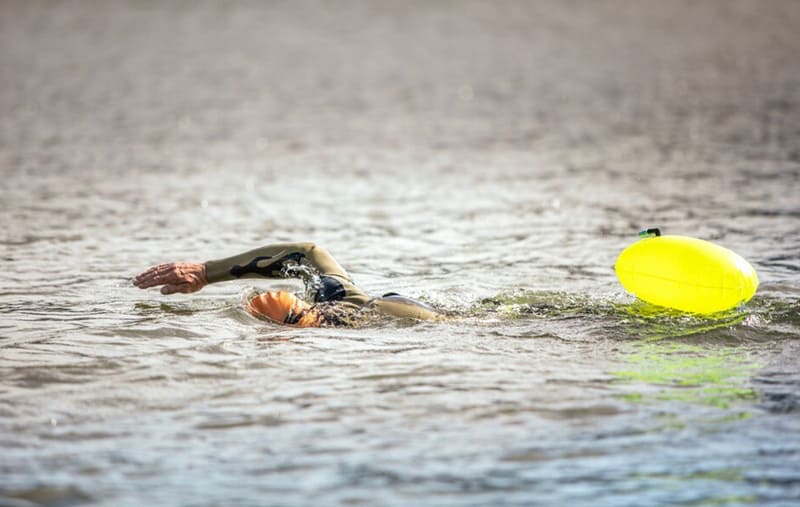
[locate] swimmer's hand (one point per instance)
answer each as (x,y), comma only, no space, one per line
(175,277)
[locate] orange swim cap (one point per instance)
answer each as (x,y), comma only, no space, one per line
(284,308)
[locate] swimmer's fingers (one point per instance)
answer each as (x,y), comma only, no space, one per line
(182,277)
(152,277)
(157,275)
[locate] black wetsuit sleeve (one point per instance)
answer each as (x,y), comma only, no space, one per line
(269,261)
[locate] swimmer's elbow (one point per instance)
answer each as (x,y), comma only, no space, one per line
(307,247)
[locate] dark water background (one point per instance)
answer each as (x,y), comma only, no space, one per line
(492,158)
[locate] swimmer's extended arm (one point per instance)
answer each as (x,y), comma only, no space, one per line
(269,261)
(264,262)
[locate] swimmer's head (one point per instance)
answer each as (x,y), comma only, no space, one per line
(284,308)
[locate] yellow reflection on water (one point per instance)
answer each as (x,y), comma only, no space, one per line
(689,373)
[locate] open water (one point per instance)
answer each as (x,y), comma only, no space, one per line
(491,158)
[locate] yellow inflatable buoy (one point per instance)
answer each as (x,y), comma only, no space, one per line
(685,273)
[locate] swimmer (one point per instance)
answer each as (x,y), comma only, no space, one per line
(334,295)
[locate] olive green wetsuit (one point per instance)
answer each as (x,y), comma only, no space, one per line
(335,284)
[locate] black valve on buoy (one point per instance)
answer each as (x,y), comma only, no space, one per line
(655,231)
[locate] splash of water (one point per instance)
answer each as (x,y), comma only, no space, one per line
(312,282)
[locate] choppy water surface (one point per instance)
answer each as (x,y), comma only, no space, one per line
(490,159)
